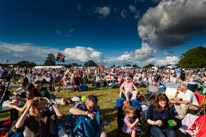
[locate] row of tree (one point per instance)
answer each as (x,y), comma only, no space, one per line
(193,58)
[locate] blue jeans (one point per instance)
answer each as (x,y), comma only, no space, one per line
(166,132)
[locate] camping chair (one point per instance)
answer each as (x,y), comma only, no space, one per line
(150,93)
(201,107)
(120,123)
(122,95)
(192,86)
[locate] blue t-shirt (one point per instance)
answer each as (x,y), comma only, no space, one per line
(3,73)
(178,71)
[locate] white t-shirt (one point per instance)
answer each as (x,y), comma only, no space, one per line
(188,96)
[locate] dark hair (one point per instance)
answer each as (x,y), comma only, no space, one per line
(160,97)
(92,98)
(38,82)
(2,65)
(32,91)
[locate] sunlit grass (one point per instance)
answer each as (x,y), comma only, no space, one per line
(104,95)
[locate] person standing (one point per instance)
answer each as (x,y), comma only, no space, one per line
(3,74)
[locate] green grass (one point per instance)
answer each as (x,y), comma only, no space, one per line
(104,95)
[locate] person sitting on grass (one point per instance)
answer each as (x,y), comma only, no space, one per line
(158,115)
(36,121)
(42,90)
(130,125)
(31,92)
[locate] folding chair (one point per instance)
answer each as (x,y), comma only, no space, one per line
(120,123)
(201,107)
(151,93)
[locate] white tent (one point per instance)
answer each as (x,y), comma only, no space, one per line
(155,68)
(48,67)
(170,67)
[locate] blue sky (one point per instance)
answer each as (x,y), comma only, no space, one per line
(106,31)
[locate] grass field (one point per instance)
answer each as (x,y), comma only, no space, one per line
(105,95)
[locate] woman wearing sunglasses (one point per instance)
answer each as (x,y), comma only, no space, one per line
(36,120)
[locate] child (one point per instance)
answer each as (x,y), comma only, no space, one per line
(130,125)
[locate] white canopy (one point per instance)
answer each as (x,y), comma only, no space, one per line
(48,67)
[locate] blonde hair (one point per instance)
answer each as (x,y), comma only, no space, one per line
(33,110)
(128,109)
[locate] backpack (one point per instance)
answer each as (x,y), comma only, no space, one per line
(135,103)
(90,128)
(120,102)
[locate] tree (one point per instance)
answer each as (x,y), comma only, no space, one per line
(193,58)
(162,67)
(50,60)
(75,64)
(67,65)
(32,64)
(90,63)
(135,66)
(148,66)
(112,66)
(127,65)
(23,63)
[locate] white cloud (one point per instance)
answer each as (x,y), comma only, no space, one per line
(173,22)
(58,32)
(27,51)
(134,10)
(30,52)
(138,56)
(163,61)
(145,52)
(82,54)
(104,11)
(123,13)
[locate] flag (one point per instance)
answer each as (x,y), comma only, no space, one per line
(60,57)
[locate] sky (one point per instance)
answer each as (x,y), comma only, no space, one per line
(105,31)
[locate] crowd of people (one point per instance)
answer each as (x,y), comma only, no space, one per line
(39,111)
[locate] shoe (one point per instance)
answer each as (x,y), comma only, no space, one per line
(178,117)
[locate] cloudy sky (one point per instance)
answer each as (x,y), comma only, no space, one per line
(105,31)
